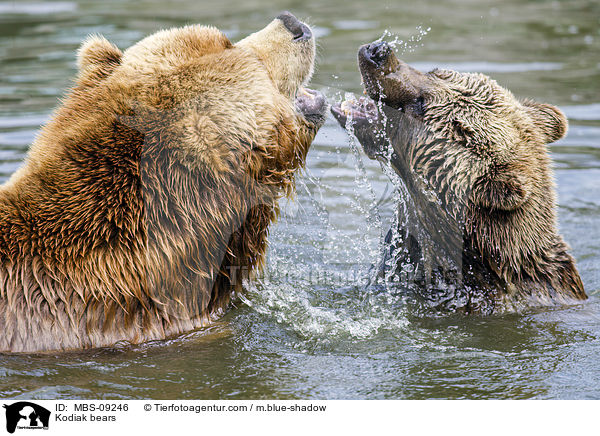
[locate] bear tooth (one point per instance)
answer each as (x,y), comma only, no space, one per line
(302,90)
(346,106)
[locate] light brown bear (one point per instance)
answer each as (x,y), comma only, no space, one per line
(477,231)
(148,195)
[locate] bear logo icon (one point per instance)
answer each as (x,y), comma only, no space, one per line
(26,415)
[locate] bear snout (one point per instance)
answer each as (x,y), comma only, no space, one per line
(299,30)
(376,53)
(391,80)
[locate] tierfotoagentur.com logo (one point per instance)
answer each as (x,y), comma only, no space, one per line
(26,415)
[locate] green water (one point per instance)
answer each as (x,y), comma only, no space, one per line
(310,329)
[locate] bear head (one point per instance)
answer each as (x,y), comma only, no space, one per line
(473,157)
(212,101)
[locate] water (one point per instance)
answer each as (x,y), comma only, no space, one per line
(310,328)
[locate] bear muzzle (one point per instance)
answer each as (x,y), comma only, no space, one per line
(390,80)
(299,30)
(376,53)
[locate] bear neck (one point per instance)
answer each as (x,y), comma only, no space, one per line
(211,231)
(523,249)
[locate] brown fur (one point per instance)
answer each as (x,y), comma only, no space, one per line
(475,163)
(153,183)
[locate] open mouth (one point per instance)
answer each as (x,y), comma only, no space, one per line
(374,60)
(311,104)
(367,124)
(357,111)
(394,90)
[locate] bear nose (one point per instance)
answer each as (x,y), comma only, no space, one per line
(297,28)
(378,52)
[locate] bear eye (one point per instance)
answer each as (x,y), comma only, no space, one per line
(419,106)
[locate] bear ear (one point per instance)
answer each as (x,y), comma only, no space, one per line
(98,55)
(549,119)
(504,189)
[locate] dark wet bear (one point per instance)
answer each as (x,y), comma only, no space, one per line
(477,232)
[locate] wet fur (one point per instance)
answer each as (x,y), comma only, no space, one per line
(478,173)
(137,198)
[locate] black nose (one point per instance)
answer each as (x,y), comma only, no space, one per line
(298,29)
(378,52)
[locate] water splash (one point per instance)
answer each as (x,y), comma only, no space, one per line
(362,181)
(326,316)
(405,46)
(306,300)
